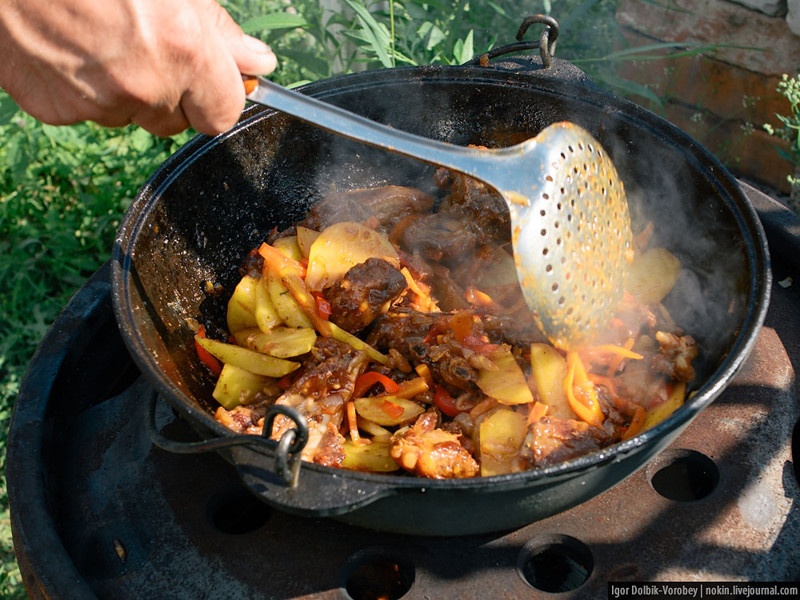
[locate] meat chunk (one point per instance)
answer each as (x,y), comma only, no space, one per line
(675,356)
(440,236)
(363,293)
(550,441)
(388,204)
(429,452)
(319,395)
(428,338)
(243,419)
(413,335)
(471,215)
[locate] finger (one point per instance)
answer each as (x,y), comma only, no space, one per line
(162,122)
(214,103)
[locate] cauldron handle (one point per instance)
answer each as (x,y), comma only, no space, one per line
(546,42)
(320,492)
(287,449)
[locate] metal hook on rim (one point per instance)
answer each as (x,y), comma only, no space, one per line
(288,456)
(547,39)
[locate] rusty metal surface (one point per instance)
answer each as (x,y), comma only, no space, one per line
(127,520)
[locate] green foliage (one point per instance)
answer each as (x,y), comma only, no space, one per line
(313,42)
(790,131)
(62,193)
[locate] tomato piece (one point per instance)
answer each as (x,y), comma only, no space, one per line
(323,306)
(445,402)
(204,355)
(365,381)
(392,409)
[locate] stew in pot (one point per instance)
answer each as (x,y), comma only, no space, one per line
(394,322)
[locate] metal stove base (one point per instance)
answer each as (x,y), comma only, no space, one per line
(99,512)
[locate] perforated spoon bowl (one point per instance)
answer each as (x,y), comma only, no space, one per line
(570,223)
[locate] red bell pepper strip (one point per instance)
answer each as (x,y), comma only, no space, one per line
(365,381)
(445,402)
(204,355)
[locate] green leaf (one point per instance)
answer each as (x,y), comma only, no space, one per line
(8,108)
(374,34)
(278,20)
(141,140)
(463,50)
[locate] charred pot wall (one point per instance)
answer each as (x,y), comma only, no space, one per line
(724,95)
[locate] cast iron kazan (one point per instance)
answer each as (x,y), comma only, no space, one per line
(216,199)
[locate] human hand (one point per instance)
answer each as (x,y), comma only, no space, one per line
(163,64)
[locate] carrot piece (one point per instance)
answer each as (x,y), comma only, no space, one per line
(291,274)
(352,425)
(536,412)
(411,388)
(622,351)
(616,360)
(636,424)
(424,371)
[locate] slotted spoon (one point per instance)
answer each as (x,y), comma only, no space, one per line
(570,224)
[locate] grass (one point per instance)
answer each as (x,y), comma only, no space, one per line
(63,190)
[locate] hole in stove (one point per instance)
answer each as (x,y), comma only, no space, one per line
(683,475)
(235,511)
(555,563)
(377,573)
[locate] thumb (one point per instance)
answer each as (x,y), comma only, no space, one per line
(252,56)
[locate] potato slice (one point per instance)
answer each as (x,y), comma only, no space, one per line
(652,275)
(342,246)
(289,247)
(348,338)
(241,306)
(673,402)
(373,457)
(501,436)
(378,433)
(249,360)
(283,342)
(236,386)
(388,410)
(289,310)
(549,371)
(305,238)
(506,383)
(264,310)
